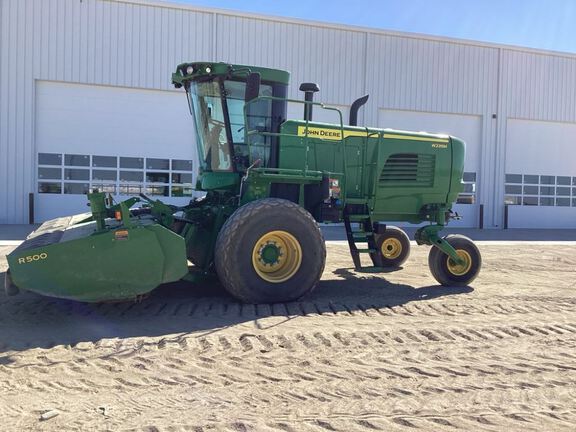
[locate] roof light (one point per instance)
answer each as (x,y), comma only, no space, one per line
(189,70)
(208,69)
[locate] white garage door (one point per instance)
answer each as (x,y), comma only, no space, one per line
(540,187)
(120,140)
(466,127)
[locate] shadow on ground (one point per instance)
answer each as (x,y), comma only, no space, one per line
(33,321)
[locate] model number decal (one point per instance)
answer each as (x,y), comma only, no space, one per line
(31,258)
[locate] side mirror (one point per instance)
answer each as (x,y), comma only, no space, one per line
(252,87)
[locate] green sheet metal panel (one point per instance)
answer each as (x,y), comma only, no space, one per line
(111,265)
(396,173)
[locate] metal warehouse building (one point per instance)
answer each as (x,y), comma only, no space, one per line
(86,101)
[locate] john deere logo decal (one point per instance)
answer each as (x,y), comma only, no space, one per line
(336,135)
(328,134)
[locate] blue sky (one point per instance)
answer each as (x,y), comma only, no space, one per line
(544,24)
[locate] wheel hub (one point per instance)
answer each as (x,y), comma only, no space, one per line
(276,256)
(391,248)
(460,269)
(270,254)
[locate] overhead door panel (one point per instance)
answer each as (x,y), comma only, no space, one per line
(540,182)
(120,140)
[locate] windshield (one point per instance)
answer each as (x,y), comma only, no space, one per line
(218,124)
(259,117)
(213,146)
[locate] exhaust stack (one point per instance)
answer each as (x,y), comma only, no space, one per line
(356,105)
(309,89)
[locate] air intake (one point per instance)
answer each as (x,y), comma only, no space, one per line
(408,169)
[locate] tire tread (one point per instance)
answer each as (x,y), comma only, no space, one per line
(239,220)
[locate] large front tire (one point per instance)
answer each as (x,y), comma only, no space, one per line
(448,272)
(270,251)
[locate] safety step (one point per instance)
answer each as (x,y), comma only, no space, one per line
(356,200)
(364,233)
(371,269)
(357,217)
(362,236)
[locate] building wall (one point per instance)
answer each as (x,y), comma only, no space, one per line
(137,43)
(536,88)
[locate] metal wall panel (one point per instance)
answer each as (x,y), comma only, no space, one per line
(334,59)
(425,75)
(532,86)
(16,141)
(93,42)
(4,149)
(538,86)
(137,43)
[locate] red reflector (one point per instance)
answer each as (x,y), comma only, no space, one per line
(118,215)
(121,235)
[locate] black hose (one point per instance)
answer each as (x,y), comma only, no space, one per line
(140,211)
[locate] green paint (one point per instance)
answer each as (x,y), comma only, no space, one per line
(93,266)
(429,235)
(218,180)
(270,254)
(212,69)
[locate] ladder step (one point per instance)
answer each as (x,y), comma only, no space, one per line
(368,233)
(356,200)
(362,233)
(357,217)
(371,269)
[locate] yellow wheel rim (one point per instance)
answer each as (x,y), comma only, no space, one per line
(391,248)
(460,269)
(276,256)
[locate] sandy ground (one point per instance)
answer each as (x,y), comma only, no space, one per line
(364,352)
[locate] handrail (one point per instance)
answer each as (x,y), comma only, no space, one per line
(372,189)
(248,133)
(288,171)
(377,158)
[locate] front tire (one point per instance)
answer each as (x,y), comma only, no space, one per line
(270,251)
(393,248)
(449,273)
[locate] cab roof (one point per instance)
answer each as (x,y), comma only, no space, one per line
(186,72)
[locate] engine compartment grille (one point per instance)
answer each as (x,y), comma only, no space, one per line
(408,169)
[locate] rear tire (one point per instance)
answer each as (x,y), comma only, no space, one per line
(270,251)
(393,248)
(446,271)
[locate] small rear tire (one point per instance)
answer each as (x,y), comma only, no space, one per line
(449,273)
(393,248)
(270,251)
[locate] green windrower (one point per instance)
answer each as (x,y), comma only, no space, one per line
(266,182)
